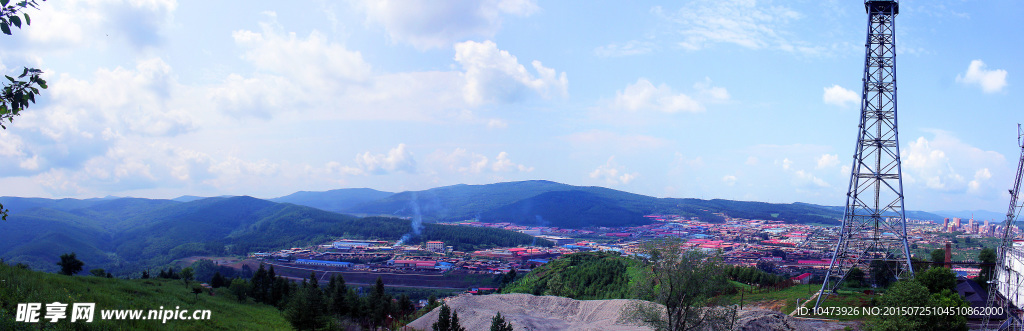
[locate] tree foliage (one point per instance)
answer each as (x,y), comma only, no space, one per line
(17,93)
(581,276)
(447,320)
(754,276)
(498,323)
(938,256)
(680,287)
(937,279)
(911,293)
(69,264)
(307,309)
(987,256)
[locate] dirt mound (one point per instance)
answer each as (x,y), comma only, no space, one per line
(529,312)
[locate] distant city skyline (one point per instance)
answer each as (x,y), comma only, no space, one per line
(740,100)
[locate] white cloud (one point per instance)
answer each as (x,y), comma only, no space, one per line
(643,95)
(827,160)
(807,179)
(937,164)
(990,81)
(786,163)
(439,23)
(839,96)
(729,180)
(257,96)
(980,177)
(65,24)
(397,159)
(313,60)
(494,75)
(613,174)
(605,140)
(496,123)
(502,163)
(745,23)
(713,93)
(465,162)
(633,47)
(752,160)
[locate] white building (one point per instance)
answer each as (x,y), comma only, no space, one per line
(435,246)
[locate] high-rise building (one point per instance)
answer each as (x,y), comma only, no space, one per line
(945,224)
(956,224)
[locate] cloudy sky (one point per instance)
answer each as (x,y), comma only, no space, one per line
(737,99)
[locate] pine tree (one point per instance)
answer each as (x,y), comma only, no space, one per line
(259,285)
(379,303)
(499,323)
(444,319)
(338,292)
(455,322)
(217,281)
(306,308)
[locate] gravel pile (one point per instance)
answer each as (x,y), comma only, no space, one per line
(529,312)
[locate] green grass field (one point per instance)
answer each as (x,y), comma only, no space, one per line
(226,313)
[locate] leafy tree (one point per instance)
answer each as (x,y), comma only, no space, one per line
(239,287)
(196,289)
(911,293)
(883,273)
(217,281)
(937,279)
(988,256)
(145,274)
(855,278)
(69,264)
(499,323)
(949,298)
(98,272)
(904,293)
(939,256)
(680,287)
(187,275)
(17,93)
(765,266)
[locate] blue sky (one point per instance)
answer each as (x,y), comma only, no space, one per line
(741,99)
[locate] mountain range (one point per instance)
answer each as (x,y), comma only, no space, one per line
(126,235)
(549,203)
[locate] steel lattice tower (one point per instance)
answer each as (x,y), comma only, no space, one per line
(874,224)
(1004,288)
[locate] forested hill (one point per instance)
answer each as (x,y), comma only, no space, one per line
(128,235)
(554,204)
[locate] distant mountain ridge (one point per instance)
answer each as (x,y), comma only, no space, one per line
(338,200)
(530,202)
(129,235)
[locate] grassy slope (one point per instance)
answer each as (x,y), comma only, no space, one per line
(24,286)
(581,276)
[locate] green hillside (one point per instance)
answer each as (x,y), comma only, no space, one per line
(25,286)
(581,276)
(156,232)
